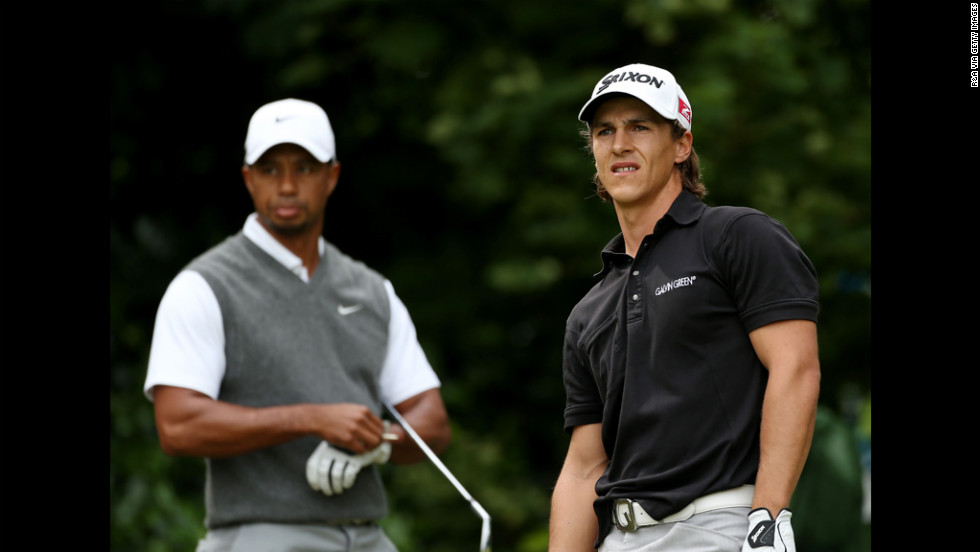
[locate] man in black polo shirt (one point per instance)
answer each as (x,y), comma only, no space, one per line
(690,368)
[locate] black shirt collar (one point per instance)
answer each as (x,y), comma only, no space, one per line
(686,209)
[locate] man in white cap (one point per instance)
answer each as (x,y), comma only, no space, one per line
(274,353)
(690,368)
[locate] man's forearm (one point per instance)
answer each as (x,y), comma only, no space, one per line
(192,424)
(573,526)
(788,416)
(427,415)
(225,430)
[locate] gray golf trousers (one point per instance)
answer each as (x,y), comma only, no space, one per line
(271,537)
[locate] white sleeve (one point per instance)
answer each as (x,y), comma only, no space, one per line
(406,371)
(188,347)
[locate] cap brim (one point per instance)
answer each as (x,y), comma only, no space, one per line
(585,114)
(588,110)
(318,153)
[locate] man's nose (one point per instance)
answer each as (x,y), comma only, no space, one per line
(621,143)
(287,184)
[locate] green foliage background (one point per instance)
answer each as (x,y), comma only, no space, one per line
(464,181)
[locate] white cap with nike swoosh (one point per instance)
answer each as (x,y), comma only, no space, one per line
(290,121)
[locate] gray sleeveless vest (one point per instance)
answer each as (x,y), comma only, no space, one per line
(287,342)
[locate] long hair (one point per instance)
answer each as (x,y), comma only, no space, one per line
(690,168)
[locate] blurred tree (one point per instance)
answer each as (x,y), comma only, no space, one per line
(465,182)
(827,503)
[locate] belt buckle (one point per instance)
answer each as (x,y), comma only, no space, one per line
(630,515)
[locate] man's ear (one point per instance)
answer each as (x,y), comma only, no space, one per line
(683,147)
(333,177)
(247,177)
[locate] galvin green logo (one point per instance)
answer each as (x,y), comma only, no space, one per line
(678,283)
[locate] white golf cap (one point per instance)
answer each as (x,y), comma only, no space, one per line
(654,86)
(290,121)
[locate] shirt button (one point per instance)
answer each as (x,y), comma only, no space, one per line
(636,297)
(636,273)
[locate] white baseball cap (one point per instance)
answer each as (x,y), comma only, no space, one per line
(290,121)
(654,86)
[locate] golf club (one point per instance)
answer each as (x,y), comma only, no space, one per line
(485,533)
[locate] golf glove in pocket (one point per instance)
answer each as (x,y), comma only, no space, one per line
(332,471)
(767,534)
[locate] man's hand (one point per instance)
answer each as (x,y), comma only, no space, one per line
(332,471)
(768,535)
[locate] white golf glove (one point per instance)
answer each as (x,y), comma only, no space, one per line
(767,534)
(332,471)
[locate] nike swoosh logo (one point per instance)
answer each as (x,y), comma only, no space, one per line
(284,117)
(344,311)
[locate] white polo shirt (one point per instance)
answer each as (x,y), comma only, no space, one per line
(188,347)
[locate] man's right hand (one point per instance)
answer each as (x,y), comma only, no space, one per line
(353,427)
(332,471)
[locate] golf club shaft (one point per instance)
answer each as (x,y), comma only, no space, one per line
(485,533)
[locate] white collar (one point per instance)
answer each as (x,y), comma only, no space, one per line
(254,231)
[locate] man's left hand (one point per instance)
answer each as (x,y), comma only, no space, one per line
(767,534)
(332,471)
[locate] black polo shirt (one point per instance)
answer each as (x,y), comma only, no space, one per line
(658,352)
